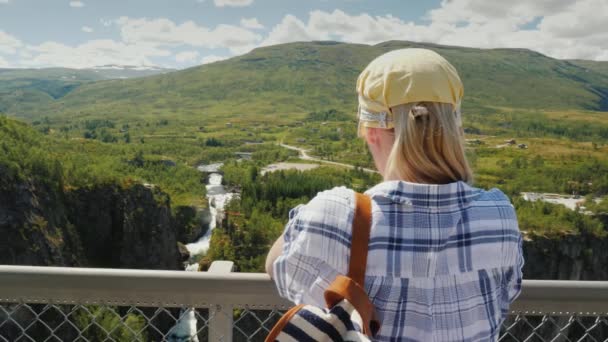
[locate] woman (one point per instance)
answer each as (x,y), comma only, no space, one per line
(445,259)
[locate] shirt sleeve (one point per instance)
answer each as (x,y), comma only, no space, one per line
(314,249)
(511,283)
(515,276)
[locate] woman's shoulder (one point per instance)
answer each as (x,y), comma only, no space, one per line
(339,196)
(494,205)
(491,197)
(331,209)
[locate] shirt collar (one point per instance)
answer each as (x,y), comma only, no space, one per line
(425,195)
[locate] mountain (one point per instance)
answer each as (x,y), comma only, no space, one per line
(112,71)
(600,67)
(303,77)
(24,90)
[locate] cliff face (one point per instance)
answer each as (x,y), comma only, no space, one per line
(191,222)
(103,226)
(573,257)
(33,225)
(125,228)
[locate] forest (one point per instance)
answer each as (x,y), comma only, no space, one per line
(156,130)
(257,217)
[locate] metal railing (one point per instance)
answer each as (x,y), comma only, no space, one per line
(86,304)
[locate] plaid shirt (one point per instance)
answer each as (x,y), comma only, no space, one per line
(444,261)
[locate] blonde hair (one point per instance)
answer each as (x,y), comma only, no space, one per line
(429,144)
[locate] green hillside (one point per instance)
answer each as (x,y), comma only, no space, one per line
(104,141)
(304,77)
(23,91)
(592,66)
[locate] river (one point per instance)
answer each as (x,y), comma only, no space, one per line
(185,328)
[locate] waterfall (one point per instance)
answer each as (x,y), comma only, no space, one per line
(185,327)
(218,197)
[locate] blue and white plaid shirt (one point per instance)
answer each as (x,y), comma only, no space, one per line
(444,261)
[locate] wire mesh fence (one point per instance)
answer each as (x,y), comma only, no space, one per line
(60,322)
(77,304)
(52,322)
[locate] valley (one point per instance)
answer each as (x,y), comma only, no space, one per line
(291,103)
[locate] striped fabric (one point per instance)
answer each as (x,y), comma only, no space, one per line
(311,323)
(444,261)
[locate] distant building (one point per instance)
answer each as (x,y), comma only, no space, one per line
(228,124)
(301,140)
(511,142)
(474,141)
(167,162)
(522,146)
(243,155)
(570,202)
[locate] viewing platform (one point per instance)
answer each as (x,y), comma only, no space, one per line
(91,304)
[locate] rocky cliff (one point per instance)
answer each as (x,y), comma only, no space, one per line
(125,227)
(107,225)
(34,225)
(571,257)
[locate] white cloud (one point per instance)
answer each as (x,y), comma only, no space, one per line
(212,58)
(558,28)
(290,29)
(583,19)
(164,32)
(106,22)
(76,4)
(251,23)
(87,29)
(338,25)
(8,43)
(3,2)
(565,29)
(483,11)
(232,3)
(141,40)
(93,53)
(23,53)
(3,62)
(186,56)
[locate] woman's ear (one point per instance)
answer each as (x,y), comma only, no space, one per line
(371,136)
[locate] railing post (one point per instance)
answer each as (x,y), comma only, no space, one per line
(221,314)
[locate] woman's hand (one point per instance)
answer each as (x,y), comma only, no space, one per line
(273,254)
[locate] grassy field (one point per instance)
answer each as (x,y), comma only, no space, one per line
(157,129)
(295,79)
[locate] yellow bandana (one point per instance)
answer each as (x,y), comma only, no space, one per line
(405,76)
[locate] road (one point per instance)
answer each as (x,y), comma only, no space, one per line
(305,156)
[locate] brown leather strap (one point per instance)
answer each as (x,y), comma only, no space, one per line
(346,288)
(362,223)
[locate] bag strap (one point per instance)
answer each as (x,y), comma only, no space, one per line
(362,223)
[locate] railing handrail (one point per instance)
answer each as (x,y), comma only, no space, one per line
(71,285)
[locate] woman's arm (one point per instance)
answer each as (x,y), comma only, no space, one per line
(273,254)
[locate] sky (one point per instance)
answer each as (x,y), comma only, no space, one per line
(184,33)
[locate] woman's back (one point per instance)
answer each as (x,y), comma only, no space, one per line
(444,261)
